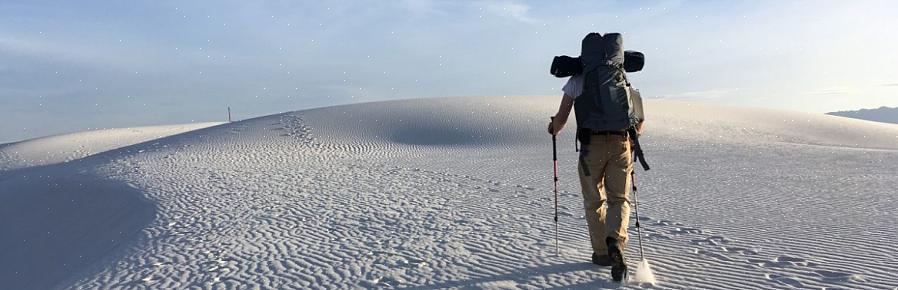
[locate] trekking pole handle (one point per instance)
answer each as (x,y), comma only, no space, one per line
(554,151)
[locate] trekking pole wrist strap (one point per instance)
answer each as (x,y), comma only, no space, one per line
(637,149)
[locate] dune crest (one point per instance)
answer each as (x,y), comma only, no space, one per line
(72,146)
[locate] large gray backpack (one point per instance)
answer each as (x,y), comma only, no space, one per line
(607,102)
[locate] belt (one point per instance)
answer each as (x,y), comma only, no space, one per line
(606,133)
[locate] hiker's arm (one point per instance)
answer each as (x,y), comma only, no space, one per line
(640,126)
(564,110)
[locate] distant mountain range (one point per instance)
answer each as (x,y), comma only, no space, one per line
(881,114)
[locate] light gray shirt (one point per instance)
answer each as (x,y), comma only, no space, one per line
(574,86)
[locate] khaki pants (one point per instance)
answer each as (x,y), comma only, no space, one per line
(604,168)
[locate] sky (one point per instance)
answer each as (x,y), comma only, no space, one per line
(68,66)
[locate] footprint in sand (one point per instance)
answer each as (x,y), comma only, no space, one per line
(786,280)
(740,251)
(837,277)
(713,255)
(781,262)
(710,241)
(685,231)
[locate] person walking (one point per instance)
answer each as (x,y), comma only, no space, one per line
(606,159)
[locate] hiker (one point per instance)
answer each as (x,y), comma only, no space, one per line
(606,160)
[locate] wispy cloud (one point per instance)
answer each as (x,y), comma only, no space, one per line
(419,8)
(78,53)
(716,93)
(512,10)
(834,91)
(890,85)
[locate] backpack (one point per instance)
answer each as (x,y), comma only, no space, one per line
(608,102)
(605,104)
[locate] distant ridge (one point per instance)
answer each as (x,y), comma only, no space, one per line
(881,114)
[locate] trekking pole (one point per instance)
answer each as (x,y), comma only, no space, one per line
(555,167)
(636,210)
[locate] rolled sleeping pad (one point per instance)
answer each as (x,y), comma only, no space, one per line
(633,61)
(564,66)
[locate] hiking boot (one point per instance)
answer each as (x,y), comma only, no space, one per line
(602,260)
(618,262)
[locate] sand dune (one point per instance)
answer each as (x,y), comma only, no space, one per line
(68,147)
(456,193)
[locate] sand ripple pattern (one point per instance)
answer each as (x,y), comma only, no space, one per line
(401,195)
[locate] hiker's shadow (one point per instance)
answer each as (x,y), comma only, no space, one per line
(523,276)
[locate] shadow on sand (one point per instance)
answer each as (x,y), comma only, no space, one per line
(57,225)
(521,277)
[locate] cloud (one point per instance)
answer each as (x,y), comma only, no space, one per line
(419,8)
(77,53)
(512,10)
(890,85)
(829,91)
(704,94)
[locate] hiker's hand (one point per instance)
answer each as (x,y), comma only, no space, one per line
(551,129)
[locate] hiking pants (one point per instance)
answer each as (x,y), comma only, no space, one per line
(604,169)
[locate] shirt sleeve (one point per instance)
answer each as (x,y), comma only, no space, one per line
(574,86)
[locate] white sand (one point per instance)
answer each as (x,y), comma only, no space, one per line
(68,147)
(457,193)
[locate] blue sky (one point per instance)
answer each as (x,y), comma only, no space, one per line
(76,65)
